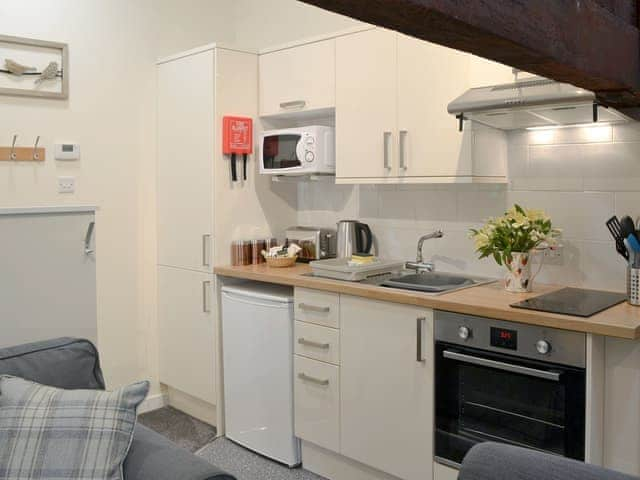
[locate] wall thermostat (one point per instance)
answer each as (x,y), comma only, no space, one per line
(67,151)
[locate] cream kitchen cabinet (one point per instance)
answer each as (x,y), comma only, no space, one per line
(366,106)
(298,79)
(316,387)
(195,89)
(392,124)
(186,332)
(386,382)
(185,168)
(429,77)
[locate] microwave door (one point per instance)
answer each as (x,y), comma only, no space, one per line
(281,152)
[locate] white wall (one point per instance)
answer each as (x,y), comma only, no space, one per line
(261,23)
(580,176)
(184,24)
(250,24)
(110,113)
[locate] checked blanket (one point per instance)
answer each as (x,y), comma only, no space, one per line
(54,434)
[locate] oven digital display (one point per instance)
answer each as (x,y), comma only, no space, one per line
(503,338)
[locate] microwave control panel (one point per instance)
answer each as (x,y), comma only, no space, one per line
(309,147)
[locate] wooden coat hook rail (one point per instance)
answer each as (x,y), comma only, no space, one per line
(22,154)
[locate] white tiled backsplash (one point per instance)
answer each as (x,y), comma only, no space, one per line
(579,176)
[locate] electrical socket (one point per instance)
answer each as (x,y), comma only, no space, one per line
(66,184)
(553,256)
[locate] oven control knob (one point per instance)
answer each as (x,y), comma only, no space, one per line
(309,156)
(543,347)
(464,332)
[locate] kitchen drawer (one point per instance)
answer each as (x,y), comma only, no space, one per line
(315,306)
(317,342)
(317,402)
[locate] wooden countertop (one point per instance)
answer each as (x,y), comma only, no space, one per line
(490,300)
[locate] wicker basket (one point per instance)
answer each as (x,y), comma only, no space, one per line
(281,262)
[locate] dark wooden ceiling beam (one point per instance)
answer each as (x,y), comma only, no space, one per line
(594,44)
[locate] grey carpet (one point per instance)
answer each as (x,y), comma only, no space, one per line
(180,428)
(246,465)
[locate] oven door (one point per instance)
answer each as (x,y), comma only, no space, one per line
(485,396)
(282,153)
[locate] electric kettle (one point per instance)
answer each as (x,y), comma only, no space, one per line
(353,237)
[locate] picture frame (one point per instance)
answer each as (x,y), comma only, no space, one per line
(34,59)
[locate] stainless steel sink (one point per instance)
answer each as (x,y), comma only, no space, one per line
(433,282)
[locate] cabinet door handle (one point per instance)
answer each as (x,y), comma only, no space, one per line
(293,104)
(386,145)
(402,148)
(205,250)
(419,329)
(311,343)
(87,238)
(318,381)
(205,296)
(313,308)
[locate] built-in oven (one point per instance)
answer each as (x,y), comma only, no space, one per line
(505,382)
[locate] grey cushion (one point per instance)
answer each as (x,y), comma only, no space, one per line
(62,362)
(153,457)
(51,433)
(493,461)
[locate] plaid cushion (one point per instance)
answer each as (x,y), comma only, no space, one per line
(54,434)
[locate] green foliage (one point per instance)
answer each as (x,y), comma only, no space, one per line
(518,230)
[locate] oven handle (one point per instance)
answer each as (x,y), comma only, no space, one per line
(507,367)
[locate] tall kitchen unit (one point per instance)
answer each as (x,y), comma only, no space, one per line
(195,89)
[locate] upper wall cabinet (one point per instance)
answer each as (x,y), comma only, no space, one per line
(298,79)
(366,105)
(392,124)
(429,77)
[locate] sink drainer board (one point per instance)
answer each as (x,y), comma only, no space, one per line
(429,282)
(339,269)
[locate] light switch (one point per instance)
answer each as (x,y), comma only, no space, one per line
(66,184)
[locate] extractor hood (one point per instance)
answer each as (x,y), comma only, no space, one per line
(532,102)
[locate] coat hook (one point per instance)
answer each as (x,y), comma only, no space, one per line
(13,155)
(35,149)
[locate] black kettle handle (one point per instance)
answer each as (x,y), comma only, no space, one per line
(364,247)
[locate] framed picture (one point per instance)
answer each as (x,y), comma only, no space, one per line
(33,68)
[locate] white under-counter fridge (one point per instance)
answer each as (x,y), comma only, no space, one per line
(257,342)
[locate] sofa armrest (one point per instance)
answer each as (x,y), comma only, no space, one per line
(153,457)
(493,461)
(70,363)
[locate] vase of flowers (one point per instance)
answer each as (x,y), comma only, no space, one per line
(512,239)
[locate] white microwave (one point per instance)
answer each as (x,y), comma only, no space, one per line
(298,151)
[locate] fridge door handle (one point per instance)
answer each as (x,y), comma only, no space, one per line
(88,237)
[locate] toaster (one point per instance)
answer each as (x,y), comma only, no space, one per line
(316,243)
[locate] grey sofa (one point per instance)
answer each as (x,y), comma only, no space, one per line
(494,461)
(74,363)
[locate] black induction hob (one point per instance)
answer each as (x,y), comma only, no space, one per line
(573,301)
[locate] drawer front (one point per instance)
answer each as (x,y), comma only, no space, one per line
(315,306)
(315,341)
(317,402)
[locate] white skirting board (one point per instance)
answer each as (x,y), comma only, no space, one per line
(195,407)
(153,402)
(336,467)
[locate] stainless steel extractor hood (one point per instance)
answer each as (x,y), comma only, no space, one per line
(532,102)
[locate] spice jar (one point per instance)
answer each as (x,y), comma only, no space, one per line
(241,252)
(257,246)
